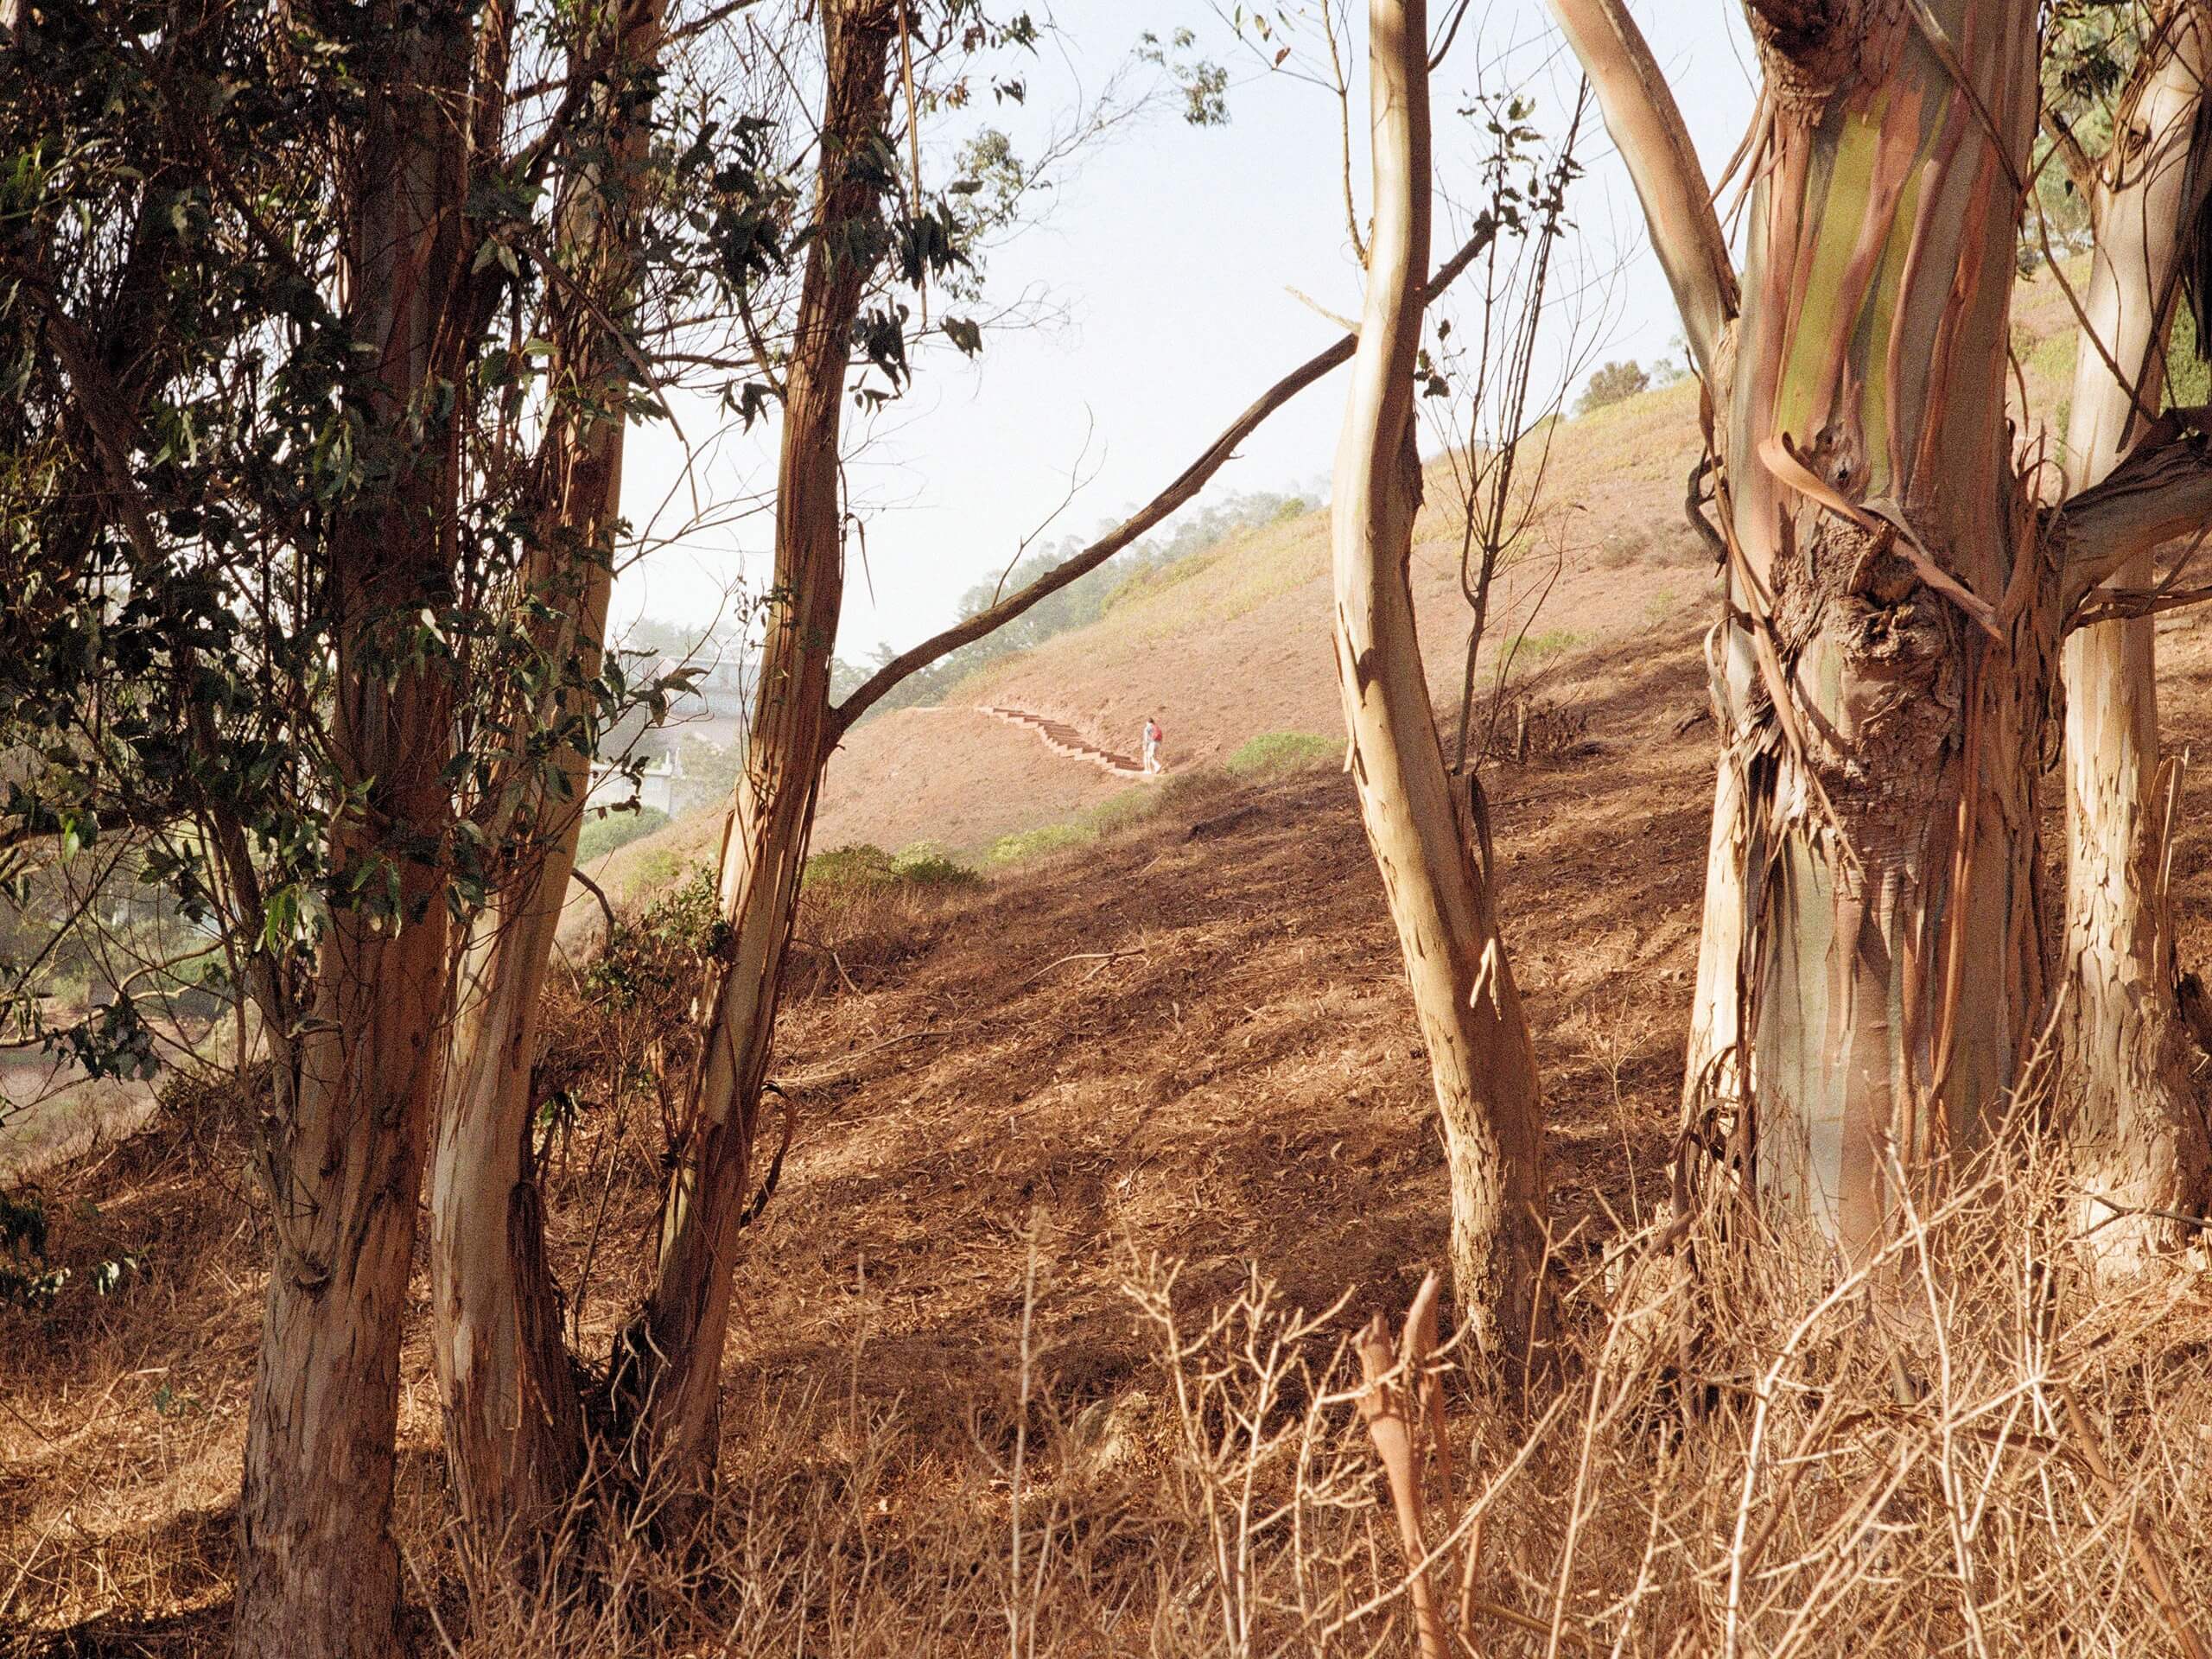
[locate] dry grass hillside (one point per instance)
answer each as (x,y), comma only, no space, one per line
(1233,643)
(1001,1377)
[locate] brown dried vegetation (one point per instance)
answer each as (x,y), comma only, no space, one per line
(1001,1377)
(972,1405)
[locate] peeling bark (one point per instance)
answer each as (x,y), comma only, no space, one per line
(318,1573)
(1480,1059)
(1896,597)
(2134,1116)
(1870,972)
(669,1371)
(514,1433)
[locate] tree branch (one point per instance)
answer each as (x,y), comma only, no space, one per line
(143,813)
(1186,484)
(106,413)
(2160,489)
(1646,129)
(2075,160)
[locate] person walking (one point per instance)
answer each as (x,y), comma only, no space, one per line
(1153,739)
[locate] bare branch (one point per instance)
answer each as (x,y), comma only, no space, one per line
(606,905)
(1186,484)
(2162,489)
(2078,168)
(1647,128)
(1319,310)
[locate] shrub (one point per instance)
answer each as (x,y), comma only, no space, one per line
(1033,843)
(658,868)
(1122,811)
(601,836)
(1537,646)
(861,862)
(865,865)
(1274,754)
(864,911)
(1611,384)
(926,865)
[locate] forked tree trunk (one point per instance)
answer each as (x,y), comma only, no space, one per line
(1420,829)
(1892,608)
(669,1375)
(514,1437)
(2134,1116)
(318,1573)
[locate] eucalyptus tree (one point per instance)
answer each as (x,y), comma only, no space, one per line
(1874,973)
(305,547)
(1420,818)
(327,324)
(665,1378)
(2135,1112)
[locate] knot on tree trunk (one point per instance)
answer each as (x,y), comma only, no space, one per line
(1813,49)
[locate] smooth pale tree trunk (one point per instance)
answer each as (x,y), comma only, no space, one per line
(1892,622)
(513,1418)
(1715,1083)
(1419,828)
(318,1573)
(669,1373)
(1653,142)
(2134,1116)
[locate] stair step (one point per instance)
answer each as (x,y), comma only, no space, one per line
(1064,739)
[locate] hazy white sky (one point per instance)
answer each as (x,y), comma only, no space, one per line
(1164,263)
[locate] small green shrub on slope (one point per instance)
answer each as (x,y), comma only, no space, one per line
(866,865)
(600,837)
(1033,843)
(1274,754)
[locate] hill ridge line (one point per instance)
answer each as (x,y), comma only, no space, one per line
(1063,739)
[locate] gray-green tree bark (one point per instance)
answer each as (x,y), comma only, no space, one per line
(1419,827)
(1894,599)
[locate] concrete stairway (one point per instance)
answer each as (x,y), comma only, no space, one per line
(1063,739)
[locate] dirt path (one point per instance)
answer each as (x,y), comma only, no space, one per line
(1063,739)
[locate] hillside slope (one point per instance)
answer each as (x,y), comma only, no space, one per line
(1234,642)
(1189,1042)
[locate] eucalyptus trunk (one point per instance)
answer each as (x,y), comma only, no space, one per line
(2134,1116)
(1871,975)
(1889,577)
(1417,826)
(514,1431)
(357,1078)
(669,1372)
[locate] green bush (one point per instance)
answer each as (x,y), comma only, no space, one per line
(1611,384)
(927,865)
(1033,843)
(601,836)
(1118,812)
(863,864)
(1274,754)
(659,868)
(860,864)
(656,951)
(1536,646)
